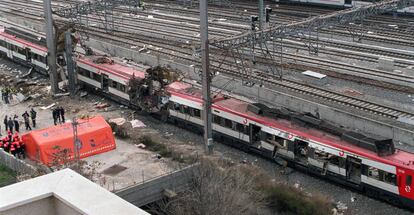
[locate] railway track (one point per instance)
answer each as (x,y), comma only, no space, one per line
(165,50)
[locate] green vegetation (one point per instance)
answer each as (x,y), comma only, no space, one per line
(7,176)
(164,150)
(155,146)
(289,200)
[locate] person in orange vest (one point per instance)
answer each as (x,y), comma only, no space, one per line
(13,150)
(6,144)
(22,149)
(16,137)
(16,145)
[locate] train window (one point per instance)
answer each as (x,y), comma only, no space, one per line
(114,84)
(122,87)
(216,119)
(3,43)
(186,110)
(389,178)
(171,105)
(242,128)
(96,77)
(21,51)
(373,173)
(408,180)
(176,106)
(43,59)
(321,155)
(228,123)
(336,160)
(267,136)
(197,113)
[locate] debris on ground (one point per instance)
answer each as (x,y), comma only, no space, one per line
(158,156)
(352,92)
(137,124)
(57,95)
(102,105)
(83,94)
(341,206)
(167,134)
(47,107)
(63,85)
(33,96)
(141,146)
(118,121)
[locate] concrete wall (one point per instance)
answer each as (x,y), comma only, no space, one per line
(153,190)
(43,206)
(63,209)
(15,164)
(269,96)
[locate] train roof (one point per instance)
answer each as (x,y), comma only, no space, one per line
(116,68)
(238,107)
(22,41)
(192,93)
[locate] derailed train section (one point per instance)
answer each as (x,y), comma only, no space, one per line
(302,140)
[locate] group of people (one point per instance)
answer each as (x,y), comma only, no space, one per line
(12,144)
(58,115)
(6,94)
(14,125)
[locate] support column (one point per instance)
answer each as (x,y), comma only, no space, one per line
(261,15)
(70,66)
(51,47)
(206,77)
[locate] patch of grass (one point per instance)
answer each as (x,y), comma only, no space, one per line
(155,146)
(7,176)
(166,151)
(287,199)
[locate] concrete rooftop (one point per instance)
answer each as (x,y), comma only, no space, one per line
(62,192)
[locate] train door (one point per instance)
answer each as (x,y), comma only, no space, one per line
(28,55)
(9,51)
(353,169)
(254,133)
(105,82)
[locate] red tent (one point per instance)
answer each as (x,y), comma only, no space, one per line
(95,137)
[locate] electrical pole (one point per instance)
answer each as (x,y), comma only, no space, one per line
(208,141)
(70,67)
(51,47)
(261,15)
(76,144)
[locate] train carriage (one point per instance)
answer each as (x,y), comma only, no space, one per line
(107,76)
(23,51)
(378,169)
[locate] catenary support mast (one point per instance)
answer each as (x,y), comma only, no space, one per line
(51,47)
(206,76)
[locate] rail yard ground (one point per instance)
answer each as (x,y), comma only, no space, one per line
(170,31)
(143,163)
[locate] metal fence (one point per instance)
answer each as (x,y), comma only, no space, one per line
(19,166)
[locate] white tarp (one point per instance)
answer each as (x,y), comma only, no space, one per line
(137,124)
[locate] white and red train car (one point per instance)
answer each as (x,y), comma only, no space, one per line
(388,177)
(369,165)
(111,78)
(23,51)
